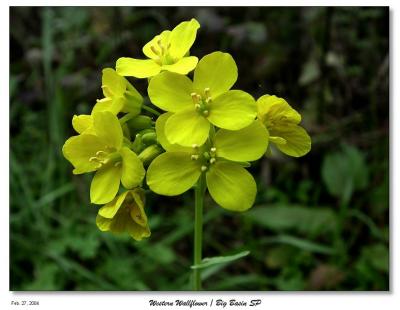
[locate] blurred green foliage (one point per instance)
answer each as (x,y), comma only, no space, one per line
(319,223)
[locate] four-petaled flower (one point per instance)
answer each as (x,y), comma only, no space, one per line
(103,151)
(119,96)
(221,160)
(167,51)
(208,99)
(125,213)
(282,121)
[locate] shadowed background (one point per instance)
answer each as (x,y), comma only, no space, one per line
(320,222)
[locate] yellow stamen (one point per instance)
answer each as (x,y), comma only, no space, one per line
(154,50)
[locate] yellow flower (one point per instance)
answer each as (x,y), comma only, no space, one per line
(104,151)
(205,101)
(119,96)
(282,121)
(221,160)
(167,51)
(125,214)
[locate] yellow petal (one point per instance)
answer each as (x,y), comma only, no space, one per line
(182,38)
(276,110)
(153,45)
(140,68)
(105,184)
(182,66)
(162,139)
(78,150)
(187,127)
(171,91)
(108,129)
(231,186)
(247,144)
(82,122)
(132,169)
(216,71)
(114,84)
(298,142)
(110,209)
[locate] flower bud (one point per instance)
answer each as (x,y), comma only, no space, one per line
(149,153)
(133,102)
(137,144)
(139,123)
(149,138)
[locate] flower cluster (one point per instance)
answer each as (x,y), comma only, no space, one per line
(207,130)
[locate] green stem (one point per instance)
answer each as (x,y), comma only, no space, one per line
(198,231)
(151,110)
(126,118)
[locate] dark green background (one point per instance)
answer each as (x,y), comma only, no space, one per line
(320,222)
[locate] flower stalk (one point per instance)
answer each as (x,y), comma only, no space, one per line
(198,231)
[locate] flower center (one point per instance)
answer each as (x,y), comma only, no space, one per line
(108,156)
(202,103)
(206,158)
(162,52)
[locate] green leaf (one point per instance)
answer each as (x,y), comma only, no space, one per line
(299,243)
(377,256)
(344,172)
(297,218)
(211,261)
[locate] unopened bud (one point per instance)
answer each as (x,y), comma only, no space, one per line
(149,138)
(139,122)
(149,153)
